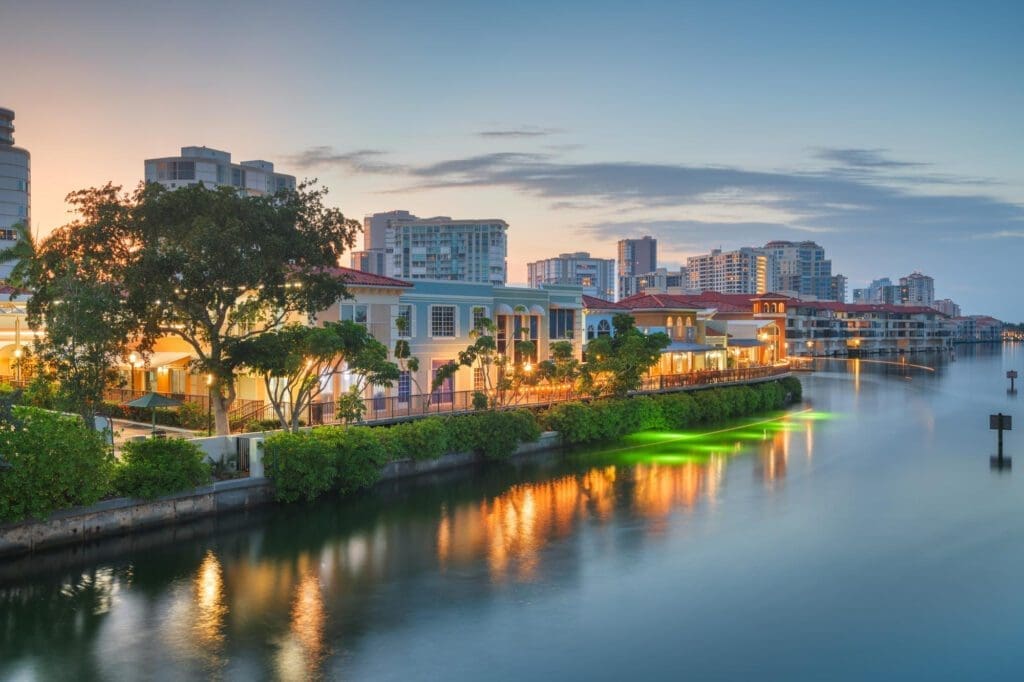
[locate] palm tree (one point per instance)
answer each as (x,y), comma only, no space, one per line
(22,253)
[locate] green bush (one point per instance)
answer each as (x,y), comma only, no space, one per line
(192,415)
(678,410)
(421,439)
(793,387)
(299,465)
(160,466)
(41,393)
(358,455)
(56,462)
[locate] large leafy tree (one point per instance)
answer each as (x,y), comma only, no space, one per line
(212,267)
(615,365)
(296,361)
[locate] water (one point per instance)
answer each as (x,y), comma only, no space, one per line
(863,538)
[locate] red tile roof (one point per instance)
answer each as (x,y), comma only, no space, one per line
(595,303)
(368,279)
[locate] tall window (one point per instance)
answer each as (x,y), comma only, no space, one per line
(604,328)
(561,323)
(404,387)
(479,314)
(478,379)
(442,320)
(405,313)
(445,392)
(357,313)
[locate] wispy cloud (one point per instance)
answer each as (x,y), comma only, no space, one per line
(863,158)
(520,132)
(357,161)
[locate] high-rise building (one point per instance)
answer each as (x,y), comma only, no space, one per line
(879,290)
(917,289)
(399,244)
(595,275)
(861,295)
(743,271)
(947,307)
(636,257)
(837,289)
(662,281)
(801,269)
(214,168)
(15,187)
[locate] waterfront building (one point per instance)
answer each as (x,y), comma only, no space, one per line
(213,168)
(976,329)
(596,276)
(946,306)
(15,187)
(401,245)
(635,257)
(917,289)
(743,271)
(833,328)
(800,269)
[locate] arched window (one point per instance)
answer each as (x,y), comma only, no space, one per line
(668,322)
(603,328)
(782,307)
(590,331)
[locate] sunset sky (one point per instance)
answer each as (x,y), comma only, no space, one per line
(890,133)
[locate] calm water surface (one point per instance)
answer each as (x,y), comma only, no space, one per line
(863,536)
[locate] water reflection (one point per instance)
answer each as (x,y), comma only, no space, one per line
(291,595)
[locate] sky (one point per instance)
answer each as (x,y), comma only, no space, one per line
(890,133)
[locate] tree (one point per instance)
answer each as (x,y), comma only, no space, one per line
(615,365)
(296,360)
(23,254)
(561,369)
(78,300)
(213,267)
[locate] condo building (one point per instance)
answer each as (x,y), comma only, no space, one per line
(15,186)
(917,289)
(596,276)
(800,269)
(213,168)
(635,257)
(743,271)
(399,244)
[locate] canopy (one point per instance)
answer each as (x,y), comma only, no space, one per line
(503,309)
(154,400)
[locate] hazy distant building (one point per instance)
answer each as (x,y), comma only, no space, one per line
(743,271)
(636,257)
(800,269)
(399,244)
(860,295)
(947,307)
(837,288)
(917,289)
(15,186)
(595,275)
(877,289)
(213,168)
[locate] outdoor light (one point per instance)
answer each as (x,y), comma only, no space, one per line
(133,358)
(528,367)
(209,380)
(17,352)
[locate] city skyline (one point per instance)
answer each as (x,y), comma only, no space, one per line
(893,145)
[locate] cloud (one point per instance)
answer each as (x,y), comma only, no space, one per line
(358,161)
(863,158)
(520,132)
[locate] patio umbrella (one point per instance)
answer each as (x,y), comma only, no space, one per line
(154,400)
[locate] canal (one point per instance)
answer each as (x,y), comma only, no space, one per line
(860,536)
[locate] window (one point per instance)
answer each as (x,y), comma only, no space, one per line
(479,315)
(238,177)
(379,401)
(404,387)
(354,313)
(479,383)
(590,332)
(405,326)
(603,328)
(442,320)
(446,391)
(561,323)
(8,235)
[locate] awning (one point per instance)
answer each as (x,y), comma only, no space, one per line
(159,359)
(503,309)
(537,310)
(685,347)
(745,343)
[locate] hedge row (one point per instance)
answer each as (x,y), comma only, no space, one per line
(305,465)
(579,422)
(56,462)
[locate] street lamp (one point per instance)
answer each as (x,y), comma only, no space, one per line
(209,403)
(17,363)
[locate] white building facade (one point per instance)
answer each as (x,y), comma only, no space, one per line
(743,271)
(800,269)
(596,276)
(213,168)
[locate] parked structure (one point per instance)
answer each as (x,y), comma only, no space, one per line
(398,244)
(213,168)
(636,257)
(15,187)
(596,276)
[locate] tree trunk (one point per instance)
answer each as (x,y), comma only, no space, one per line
(221,407)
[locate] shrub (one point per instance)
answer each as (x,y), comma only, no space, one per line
(41,393)
(498,434)
(422,439)
(678,410)
(358,455)
(56,462)
(192,415)
(299,465)
(793,387)
(160,466)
